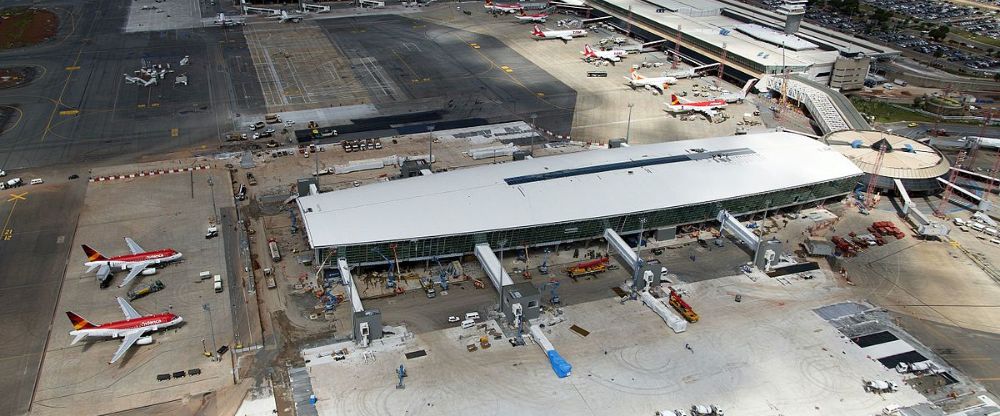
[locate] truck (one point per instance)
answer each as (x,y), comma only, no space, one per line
(217,283)
(152,288)
(272,118)
(428,287)
(211,232)
(251,179)
(588,267)
(706,410)
(13,183)
(273,246)
(682,307)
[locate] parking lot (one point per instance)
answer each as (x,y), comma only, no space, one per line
(164,211)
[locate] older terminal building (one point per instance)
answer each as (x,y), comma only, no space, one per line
(545,201)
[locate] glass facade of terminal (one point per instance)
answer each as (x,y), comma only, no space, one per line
(452,245)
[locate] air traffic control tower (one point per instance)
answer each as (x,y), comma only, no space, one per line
(793,10)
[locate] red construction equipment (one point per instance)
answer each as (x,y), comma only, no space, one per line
(886,228)
(845,247)
(883,146)
(682,307)
(588,267)
(947,188)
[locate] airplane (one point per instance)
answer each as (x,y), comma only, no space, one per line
(224,21)
(284,17)
(139,81)
(536,17)
(738,97)
(502,7)
(613,55)
(135,263)
(565,35)
(708,108)
(131,329)
(657,83)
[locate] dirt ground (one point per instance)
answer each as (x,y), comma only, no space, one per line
(25,27)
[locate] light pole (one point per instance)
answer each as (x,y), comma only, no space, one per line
(534,127)
(500,274)
(211,327)
(430,148)
(628,125)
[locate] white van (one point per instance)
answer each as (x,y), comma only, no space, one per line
(977,226)
(37,181)
(468,323)
(990,231)
(472,316)
(959,222)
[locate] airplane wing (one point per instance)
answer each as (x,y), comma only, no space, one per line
(127,343)
(133,246)
(128,310)
(133,272)
(78,338)
(709,112)
(103,271)
(566,37)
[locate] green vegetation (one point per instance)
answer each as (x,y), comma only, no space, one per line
(888,113)
(981,39)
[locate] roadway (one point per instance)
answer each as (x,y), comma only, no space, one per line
(39,222)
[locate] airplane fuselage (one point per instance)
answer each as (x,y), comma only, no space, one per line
(118,329)
(123,262)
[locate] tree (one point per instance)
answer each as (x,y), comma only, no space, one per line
(996,76)
(939,33)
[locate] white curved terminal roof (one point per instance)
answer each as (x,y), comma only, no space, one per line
(578,186)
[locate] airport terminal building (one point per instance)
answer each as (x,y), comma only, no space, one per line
(572,197)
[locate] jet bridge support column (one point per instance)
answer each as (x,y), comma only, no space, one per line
(367,324)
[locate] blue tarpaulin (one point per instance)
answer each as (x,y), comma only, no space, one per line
(559,365)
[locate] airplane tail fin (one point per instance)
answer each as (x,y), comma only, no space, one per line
(588,51)
(93,255)
(78,321)
(635,75)
(674,100)
(537,31)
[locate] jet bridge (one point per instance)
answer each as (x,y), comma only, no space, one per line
(981,204)
(925,226)
(492,267)
(315,8)
(735,227)
(367,324)
(633,262)
(262,10)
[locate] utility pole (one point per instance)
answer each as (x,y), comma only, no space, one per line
(211,327)
(628,125)
(430,148)
(535,128)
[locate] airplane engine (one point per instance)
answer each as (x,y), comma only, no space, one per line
(148,271)
(145,340)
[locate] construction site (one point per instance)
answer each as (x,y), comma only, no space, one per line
(604,207)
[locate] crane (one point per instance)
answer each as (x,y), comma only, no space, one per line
(552,285)
(442,275)
(947,188)
(390,282)
(883,146)
(544,267)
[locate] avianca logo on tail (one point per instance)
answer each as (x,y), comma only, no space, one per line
(92,255)
(674,100)
(78,321)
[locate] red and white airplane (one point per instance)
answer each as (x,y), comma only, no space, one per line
(131,330)
(708,108)
(135,263)
(659,84)
(534,17)
(612,55)
(503,7)
(565,35)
